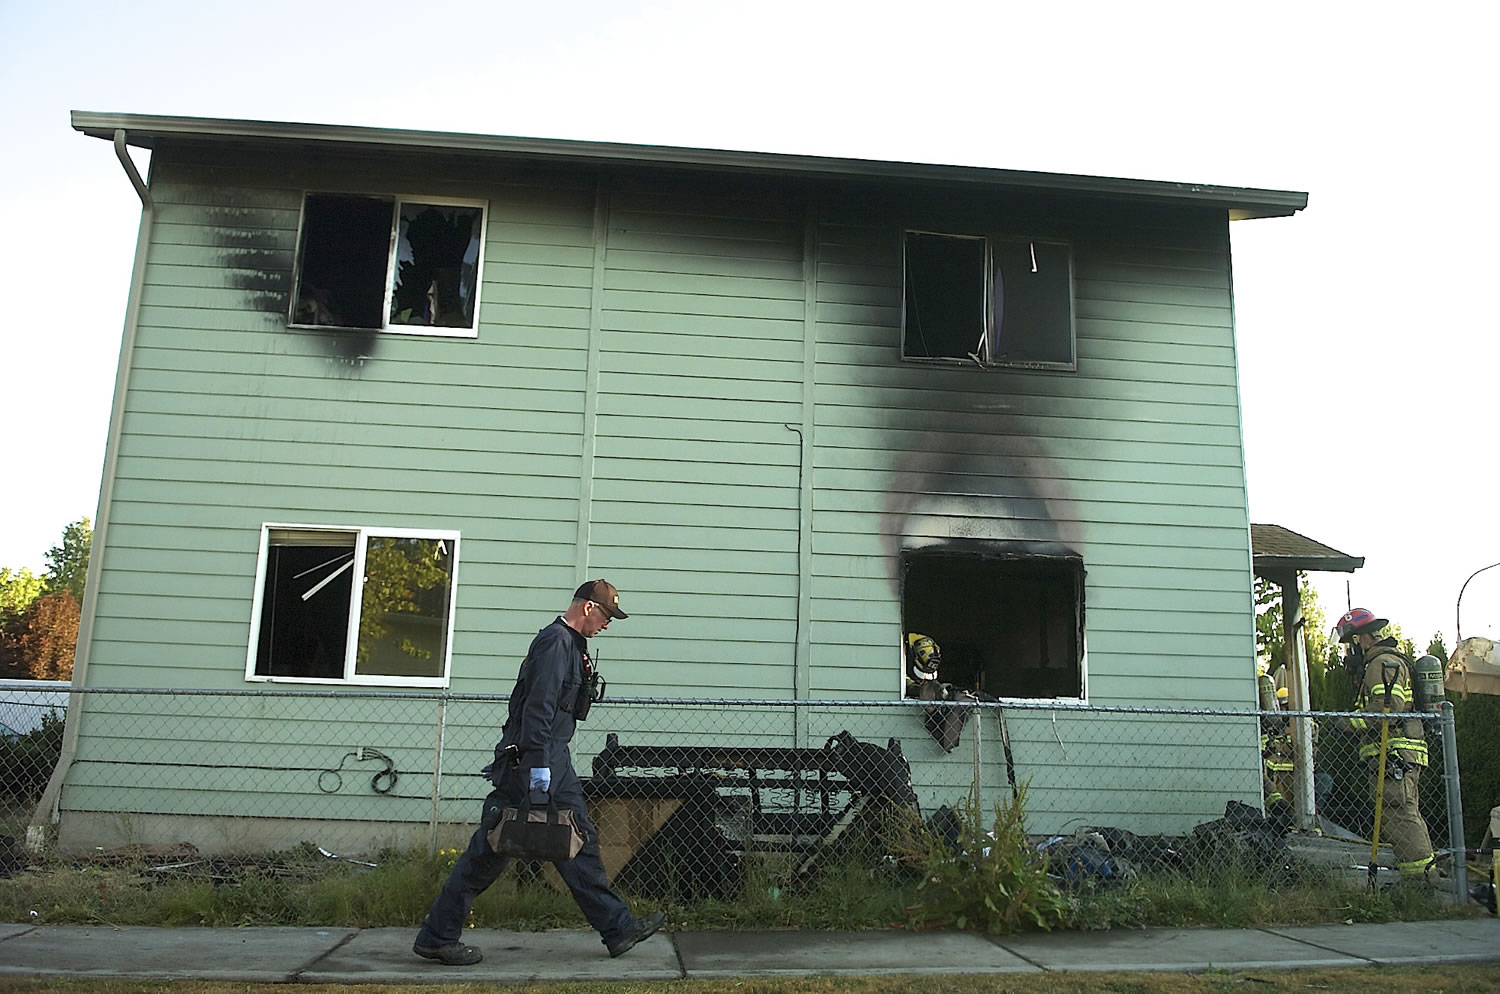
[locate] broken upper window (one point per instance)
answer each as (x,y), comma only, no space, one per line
(1004,626)
(992,300)
(372,606)
(388,263)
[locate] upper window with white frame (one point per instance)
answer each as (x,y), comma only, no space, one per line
(990,299)
(397,264)
(369,606)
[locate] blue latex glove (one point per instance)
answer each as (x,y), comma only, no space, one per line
(541,779)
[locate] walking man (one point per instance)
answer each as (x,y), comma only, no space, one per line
(553,692)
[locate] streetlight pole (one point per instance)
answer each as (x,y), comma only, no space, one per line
(1457,617)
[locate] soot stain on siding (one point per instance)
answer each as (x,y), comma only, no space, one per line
(1025,522)
(352,346)
(259,259)
(256,256)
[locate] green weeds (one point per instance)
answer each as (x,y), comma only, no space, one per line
(989,879)
(984,874)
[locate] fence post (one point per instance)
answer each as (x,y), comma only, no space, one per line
(978,758)
(437,777)
(1449,732)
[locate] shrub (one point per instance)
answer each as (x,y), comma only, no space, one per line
(26,762)
(989,878)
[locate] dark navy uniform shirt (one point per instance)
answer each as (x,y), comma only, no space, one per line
(541,705)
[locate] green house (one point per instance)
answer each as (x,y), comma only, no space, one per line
(386,397)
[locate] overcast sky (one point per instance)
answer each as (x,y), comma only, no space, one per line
(1366,326)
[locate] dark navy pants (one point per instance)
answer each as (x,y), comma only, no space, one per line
(479,866)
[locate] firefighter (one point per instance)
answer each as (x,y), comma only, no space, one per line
(1383,677)
(923,657)
(1278,759)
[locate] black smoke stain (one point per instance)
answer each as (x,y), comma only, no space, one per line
(260,259)
(942,486)
(352,345)
(257,255)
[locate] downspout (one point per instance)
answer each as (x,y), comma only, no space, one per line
(47,812)
(589,442)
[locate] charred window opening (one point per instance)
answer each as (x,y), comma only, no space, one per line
(993,300)
(355,605)
(945,298)
(1006,627)
(345,247)
(1032,287)
(384,263)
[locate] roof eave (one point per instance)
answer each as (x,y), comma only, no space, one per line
(1309,564)
(143,130)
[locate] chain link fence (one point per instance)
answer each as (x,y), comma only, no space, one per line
(691,796)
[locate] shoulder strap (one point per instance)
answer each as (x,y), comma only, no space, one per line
(1391,672)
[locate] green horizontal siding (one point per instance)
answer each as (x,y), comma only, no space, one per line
(233,420)
(695,481)
(644,355)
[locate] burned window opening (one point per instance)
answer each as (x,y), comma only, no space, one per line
(945,301)
(992,300)
(345,248)
(383,263)
(1032,287)
(1006,627)
(392,592)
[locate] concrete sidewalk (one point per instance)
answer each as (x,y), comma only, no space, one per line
(383,955)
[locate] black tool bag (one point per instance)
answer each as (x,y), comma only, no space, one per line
(527,833)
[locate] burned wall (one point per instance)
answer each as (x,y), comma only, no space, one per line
(1129,464)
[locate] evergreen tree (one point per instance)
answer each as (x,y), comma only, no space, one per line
(68,563)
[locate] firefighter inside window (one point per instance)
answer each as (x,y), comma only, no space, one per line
(923,683)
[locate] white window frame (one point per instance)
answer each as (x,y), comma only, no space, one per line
(362,535)
(398,200)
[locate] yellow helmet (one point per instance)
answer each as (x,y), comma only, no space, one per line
(923,657)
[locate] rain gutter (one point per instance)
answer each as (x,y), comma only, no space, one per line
(1240,202)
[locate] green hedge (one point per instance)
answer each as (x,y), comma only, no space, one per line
(26,761)
(1478,722)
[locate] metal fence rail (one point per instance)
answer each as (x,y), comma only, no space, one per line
(688,794)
